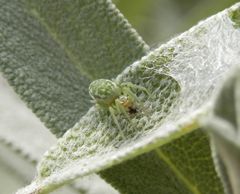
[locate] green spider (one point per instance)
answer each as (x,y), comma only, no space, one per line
(114,97)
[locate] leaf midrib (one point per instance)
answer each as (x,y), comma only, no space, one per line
(177,172)
(55,37)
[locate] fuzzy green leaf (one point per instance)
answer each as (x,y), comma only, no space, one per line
(50,68)
(225,131)
(183,166)
(50,50)
(19,128)
(176,75)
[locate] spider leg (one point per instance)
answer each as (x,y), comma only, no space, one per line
(131,85)
(121,109)
(112,112)
(132,96)
(127,91)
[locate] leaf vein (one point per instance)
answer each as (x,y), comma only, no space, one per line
(193,188)
(58,41)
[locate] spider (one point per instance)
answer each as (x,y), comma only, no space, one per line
(114,97)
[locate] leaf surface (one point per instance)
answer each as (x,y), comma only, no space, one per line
(174,168)
(50,60)
(223,126)
(50,63)
(176,75)
(19,128)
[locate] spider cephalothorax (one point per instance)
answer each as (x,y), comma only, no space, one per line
(116,98)
(104,91)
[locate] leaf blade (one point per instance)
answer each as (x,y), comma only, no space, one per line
(223,125)
(150,174)
(44,74)
(89,30)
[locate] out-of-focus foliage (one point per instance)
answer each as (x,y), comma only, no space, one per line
(159,20)
(223,125)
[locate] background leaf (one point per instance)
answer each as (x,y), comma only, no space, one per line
(23,140)
(51,67)
(224,129)
(177,167)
